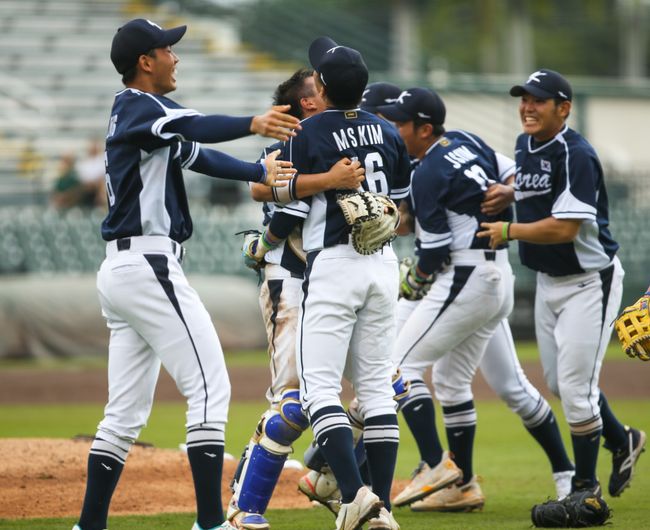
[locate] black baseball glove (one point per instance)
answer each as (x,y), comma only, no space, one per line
(581,509)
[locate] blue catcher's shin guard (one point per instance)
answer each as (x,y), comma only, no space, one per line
(266,455)
(401,388)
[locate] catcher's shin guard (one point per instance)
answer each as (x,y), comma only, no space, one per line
(401,388)
(266,453)
(314,457)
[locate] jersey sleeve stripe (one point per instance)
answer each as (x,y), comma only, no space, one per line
(296,208)
(196,147)
(170,115)
(429,240)
(400,193)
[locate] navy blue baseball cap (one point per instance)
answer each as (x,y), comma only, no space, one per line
(545,84)
(341,69)
(138,37)
(416,103)
(377,94)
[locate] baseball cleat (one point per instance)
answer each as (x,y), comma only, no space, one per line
(223,526)
(562,481)
(624,459)
(249,521)
(427,480)
(465,498)
(586,485)
(384,521)
(321,487)
(366,505)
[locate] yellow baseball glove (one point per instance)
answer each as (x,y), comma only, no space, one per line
(633,328)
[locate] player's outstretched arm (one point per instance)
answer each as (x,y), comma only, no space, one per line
(276,123)
(345,174)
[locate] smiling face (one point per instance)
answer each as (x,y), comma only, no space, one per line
(417,139)
(542,118)
(162,64)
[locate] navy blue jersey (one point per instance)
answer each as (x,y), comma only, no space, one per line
(147,148)
(563,178)
(326,138)
(447,189)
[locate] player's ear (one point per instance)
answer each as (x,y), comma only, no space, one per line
(307,103)
(145,61)
(565,109)
(425,130)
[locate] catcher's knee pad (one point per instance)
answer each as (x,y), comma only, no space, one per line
(401,388)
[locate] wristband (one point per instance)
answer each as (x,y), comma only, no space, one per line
(417,277)
(505,231)
(263,181)
(293,190)
(266,242)
(282,195)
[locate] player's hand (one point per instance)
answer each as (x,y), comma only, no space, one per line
(495,232)
(276,123)
(346,175)
(278,172)
(497,198)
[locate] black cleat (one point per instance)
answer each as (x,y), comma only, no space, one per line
(623,461)
(578,485)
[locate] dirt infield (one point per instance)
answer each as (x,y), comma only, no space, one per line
(46,478)
(154,481)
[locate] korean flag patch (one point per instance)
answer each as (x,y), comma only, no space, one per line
(546,166)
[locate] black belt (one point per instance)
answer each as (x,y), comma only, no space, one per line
(177,249)
(124,243)
(490,255)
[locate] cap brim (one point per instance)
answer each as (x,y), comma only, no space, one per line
(393,113)
(318,49)
(172,36)
(520,90)
(369,108)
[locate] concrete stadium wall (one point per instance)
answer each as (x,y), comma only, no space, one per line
(60,316)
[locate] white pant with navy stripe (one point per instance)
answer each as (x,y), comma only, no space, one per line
(500,367)
(347,328)
(453,323)
(155,317)
(280,297)
(573,323)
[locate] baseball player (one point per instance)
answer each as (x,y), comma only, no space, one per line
(319,484)
(502,371)
(562,228)
(284,269)
(447,188)
(154,316)
(346,320)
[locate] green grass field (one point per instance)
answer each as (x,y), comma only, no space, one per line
(515,474)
